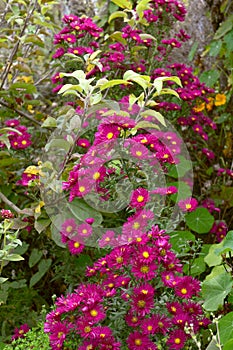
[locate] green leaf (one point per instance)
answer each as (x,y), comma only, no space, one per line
(112,83)
(26,87)
(117,14)
(68,87)
(50,122)
(40,225)
(180,169)
(55,232)
(144,125)
(226,328)
(141,7)
(166,91)
(117,36)
(43,266)
(184,190)
(228,345)
(125,4)
(34,257)
(151,113)
(226,245)
(178,238)
(210,77)
(213,259)
(199,220)
(225,27)
(21,249)
(192,52)
(3,279)
(215,48)
(81,210)
(215,290)
(13,257)
(213,345)
(142,80)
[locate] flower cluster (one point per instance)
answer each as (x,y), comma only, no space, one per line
(121,152)
(17,134)
(126,307)
(20,332)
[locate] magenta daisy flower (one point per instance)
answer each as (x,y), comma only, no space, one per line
(75,247)
(84,230)
(139,151)
(186,287)
(144,270)
(142,304)
(177,339)
(68,227)
(138,341)
(161,323)
(188,204)
(132,319)
(20,332)
(107,239)
(139,198)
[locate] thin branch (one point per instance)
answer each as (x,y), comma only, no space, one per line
(15,48)
(14,207)
(23,114)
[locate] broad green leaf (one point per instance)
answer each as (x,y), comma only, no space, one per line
(35,257)
(13,257)
(57,144)
(226,328)
(213,345)
(144,125)
(117,36)
(184,190)
(178,238)
(166,91)
(225,27)
(151,113)
(199,220)
(180,169)
(215,290)
(95,98)
(40,225)
(32,38)
(21,249)
(68,87)
(226,244)
(117,14)
(112,83)
(228,345)
(216,270)
(210,77)
(43,266)
(215,48)
(198,266)
(50,122)
(213,259)
(142,80)
(78,74)
(81,210)
(125,4)
(55,231)
(141,7)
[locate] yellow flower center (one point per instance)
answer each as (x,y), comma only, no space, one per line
(138,153)
(109,135)
(76,245)
(177,341)
(136,225)
(119,259)
(96,176)
(188,206)
(184,291)
(145,255)
(82,189)
(138,342)
(141,303)
(140,199)
(94,313)
(144,269)
(87,329)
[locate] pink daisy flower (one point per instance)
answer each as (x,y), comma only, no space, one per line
(139,198)
(75,247)
(188,205)
(138,341)
(177,339)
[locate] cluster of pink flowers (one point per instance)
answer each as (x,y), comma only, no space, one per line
(20,332)
(126,306)
(95,172)
(20,138)
(6,214)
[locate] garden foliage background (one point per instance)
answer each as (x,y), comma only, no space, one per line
(71,86)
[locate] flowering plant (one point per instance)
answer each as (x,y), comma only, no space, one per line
(136,297)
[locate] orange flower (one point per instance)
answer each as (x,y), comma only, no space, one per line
(220,99)
(199,107)
(209,105)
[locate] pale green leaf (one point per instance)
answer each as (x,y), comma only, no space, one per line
(125,4)
(117,14)
(158,116)
(50,122)
(226,328)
